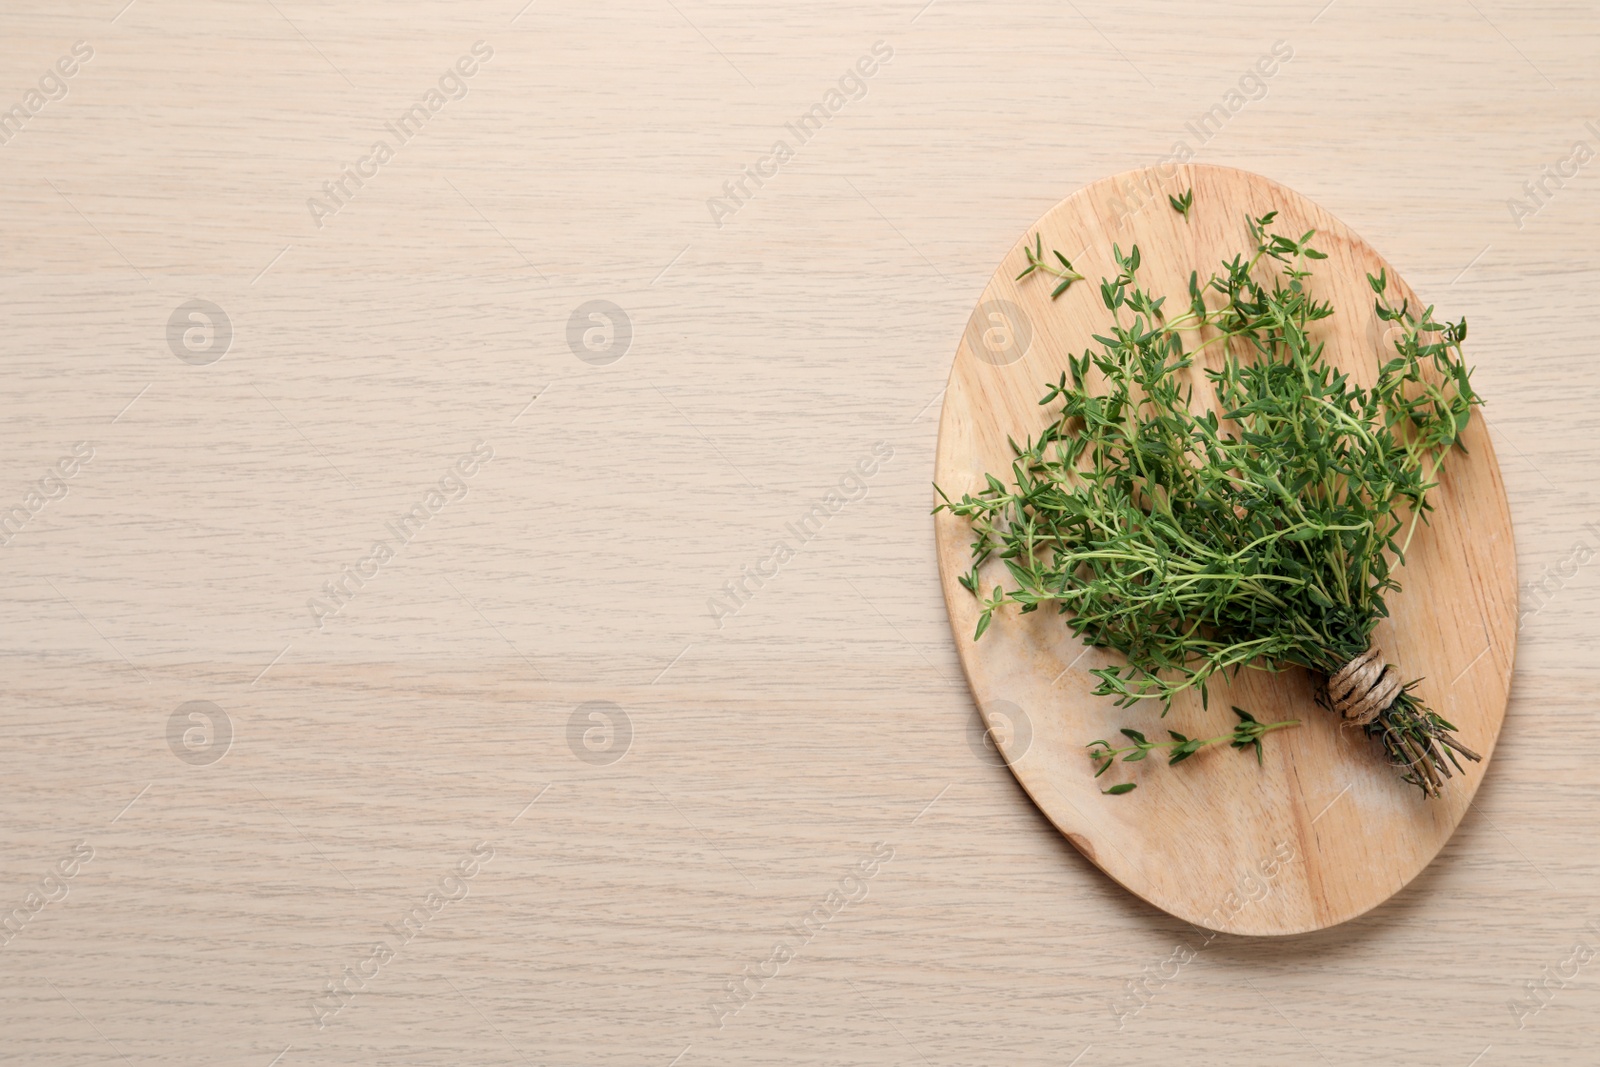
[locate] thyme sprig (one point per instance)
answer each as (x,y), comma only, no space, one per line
(1263,534)
(1246,735)
(1182,203)
(1036,261)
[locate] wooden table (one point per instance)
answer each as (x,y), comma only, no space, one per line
(415,583)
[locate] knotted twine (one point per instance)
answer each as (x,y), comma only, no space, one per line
(1364,687)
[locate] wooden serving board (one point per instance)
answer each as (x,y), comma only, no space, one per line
(1325,829)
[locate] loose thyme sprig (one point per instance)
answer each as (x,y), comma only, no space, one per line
(1247,734)
(1036,261)
(1182,204)
(1263,534)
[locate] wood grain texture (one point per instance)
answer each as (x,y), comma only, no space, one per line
(769,751)
(1326,821)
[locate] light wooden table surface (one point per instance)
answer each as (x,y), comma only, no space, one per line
(636,810)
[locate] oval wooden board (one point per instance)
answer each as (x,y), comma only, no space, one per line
(1325,829)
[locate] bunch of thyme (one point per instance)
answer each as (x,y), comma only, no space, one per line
(1265,536)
